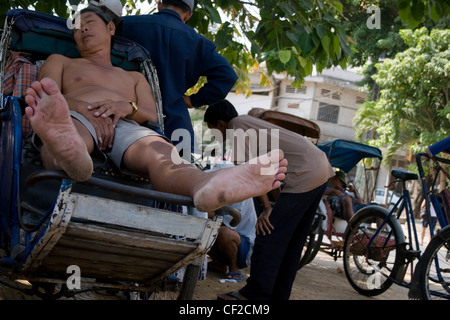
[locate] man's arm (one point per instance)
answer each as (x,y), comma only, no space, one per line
(145,101)
(220,80)
(53,68)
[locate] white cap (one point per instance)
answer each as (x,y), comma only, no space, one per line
(114,5)
(190,4)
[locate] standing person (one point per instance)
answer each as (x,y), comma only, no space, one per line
(180,56)
(281,231)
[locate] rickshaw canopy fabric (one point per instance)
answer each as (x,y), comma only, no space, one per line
(344,154)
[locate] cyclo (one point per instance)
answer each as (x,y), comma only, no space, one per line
(113,228)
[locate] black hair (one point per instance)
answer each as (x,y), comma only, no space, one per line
(221,110)
(107,16)
(177,4)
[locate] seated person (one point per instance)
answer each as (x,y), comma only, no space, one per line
(83,104)
(343,205)
(233,247)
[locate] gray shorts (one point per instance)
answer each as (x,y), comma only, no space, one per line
(126,133)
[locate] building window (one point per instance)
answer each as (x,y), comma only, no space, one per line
(291,89)
(335,95)
(360,100)
(325,93)
(328,112)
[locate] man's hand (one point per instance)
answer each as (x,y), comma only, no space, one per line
(103,125)
(104,128)
(111,109)
(187,101)
(263,225)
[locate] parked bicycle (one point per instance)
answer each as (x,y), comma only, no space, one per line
(432,273)
(377,252)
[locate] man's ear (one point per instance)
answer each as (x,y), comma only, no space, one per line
(186,16)
(111,28)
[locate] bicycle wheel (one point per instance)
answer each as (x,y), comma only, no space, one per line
(371,258)
(433,270)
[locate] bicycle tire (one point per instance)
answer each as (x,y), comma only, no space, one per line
(371,269)
(433,269)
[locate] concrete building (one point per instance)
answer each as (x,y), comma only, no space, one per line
(330,99)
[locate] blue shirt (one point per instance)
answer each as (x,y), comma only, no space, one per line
(180,56)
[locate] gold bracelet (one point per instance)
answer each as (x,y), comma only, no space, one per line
(135,109)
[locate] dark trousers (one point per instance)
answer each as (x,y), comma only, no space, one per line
(276,256)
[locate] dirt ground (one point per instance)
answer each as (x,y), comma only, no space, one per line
(322,279)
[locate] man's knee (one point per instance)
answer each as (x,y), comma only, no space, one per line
(347,200)
(228,235)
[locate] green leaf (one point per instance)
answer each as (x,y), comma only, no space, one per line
(293,37)
(214,14)
(326,43)
(418,10)
(284,56)
(337,47)
(306,42)
(302,61)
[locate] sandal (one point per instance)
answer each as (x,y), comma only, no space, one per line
(238,276)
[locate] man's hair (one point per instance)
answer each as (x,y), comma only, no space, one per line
(222,110)
(177,4)
(107,16)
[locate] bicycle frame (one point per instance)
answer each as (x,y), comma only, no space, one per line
(429,192)
(404,203)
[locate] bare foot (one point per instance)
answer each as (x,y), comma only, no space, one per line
(50,119)
(231,185)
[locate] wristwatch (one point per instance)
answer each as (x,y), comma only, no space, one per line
(135,109)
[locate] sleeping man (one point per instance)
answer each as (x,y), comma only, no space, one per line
(86,104)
